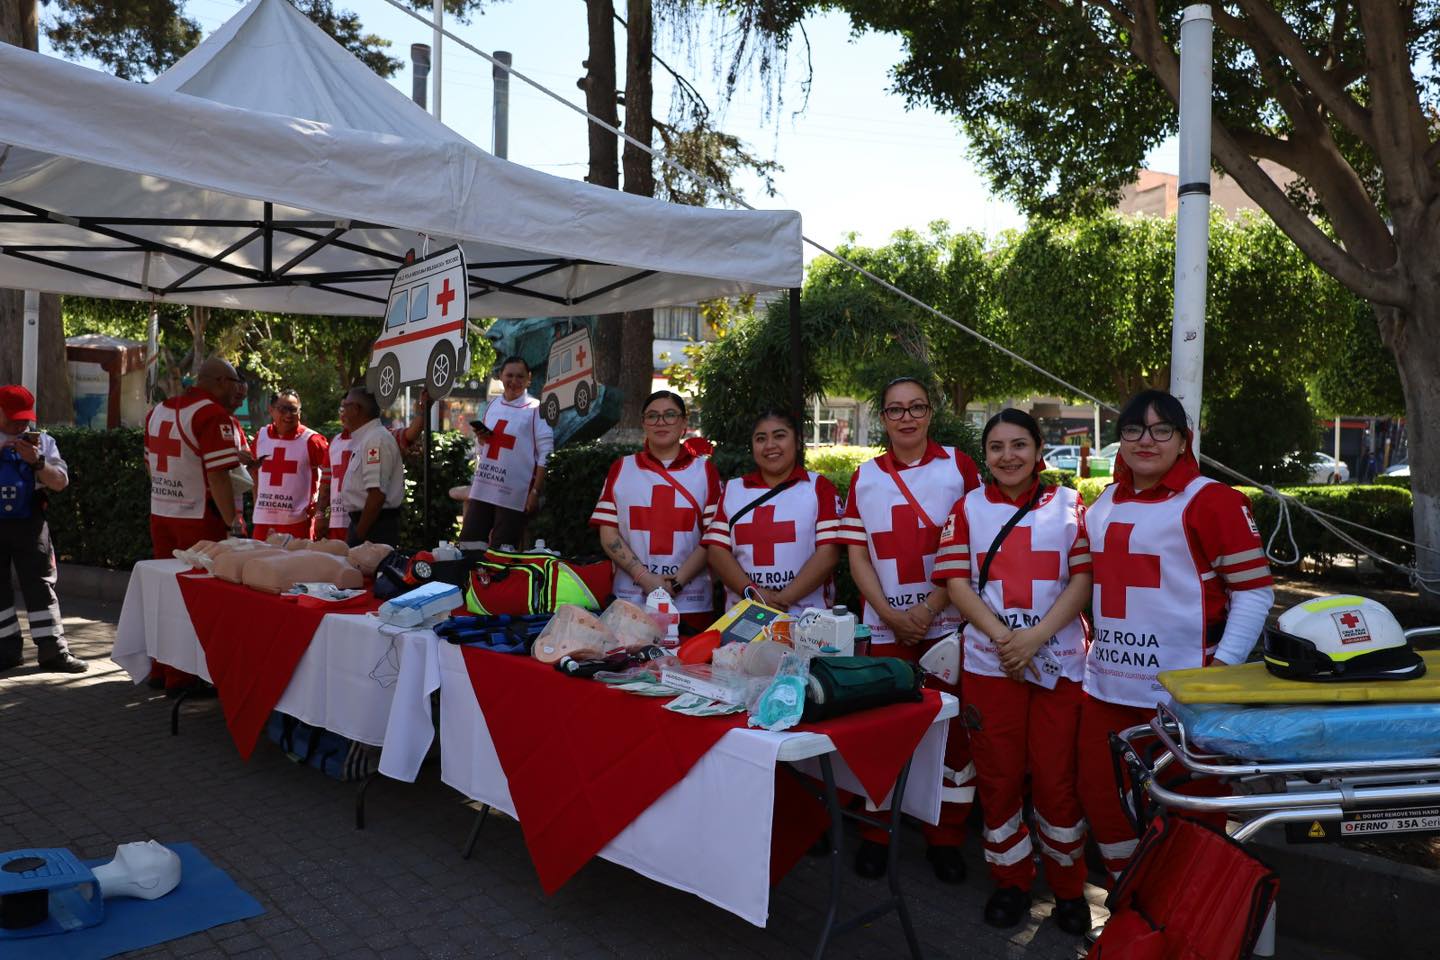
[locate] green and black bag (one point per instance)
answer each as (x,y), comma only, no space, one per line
(841,685)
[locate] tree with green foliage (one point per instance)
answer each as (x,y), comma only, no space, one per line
(1275,451)
(1356,373)
(1063,101)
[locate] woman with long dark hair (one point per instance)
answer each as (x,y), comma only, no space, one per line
(1181,581)
(891,529)
(776,531)
(651,514)
(1016,563)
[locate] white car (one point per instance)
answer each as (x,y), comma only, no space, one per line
(1398,470)
(1324,467)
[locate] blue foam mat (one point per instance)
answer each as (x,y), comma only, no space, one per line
(206,898)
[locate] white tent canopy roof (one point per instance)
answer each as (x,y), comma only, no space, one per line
(271,170)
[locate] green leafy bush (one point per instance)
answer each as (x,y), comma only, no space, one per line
(573,481)
(1383,508)
(1091,487)
(450,466)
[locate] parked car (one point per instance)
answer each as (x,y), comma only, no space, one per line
(1398,470)
(1068,458)
(1323,468)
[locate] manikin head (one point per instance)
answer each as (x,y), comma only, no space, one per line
(147,870)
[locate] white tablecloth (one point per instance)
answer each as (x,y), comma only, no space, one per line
(709,834)
(345,682)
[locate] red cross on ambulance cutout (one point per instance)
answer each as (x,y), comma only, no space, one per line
(1018,566)
(499,440)
(444,298)
(580,357)
(278,466)
(164,446)
(908,542)
(763,533)
(662,520)
(1117,570)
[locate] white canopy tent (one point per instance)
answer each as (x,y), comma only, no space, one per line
(271,170)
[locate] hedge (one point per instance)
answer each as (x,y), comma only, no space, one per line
(1384,508)
(102,518)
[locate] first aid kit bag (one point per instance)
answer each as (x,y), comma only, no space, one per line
(841,685)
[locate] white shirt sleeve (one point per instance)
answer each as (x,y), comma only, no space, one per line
(1244,624)
(544,440)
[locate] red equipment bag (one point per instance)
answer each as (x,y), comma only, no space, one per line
(1190,893)
(503,582)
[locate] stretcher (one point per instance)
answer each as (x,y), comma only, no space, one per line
(1314,790)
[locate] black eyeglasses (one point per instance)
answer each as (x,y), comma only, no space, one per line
(1159,432)
(917,411)
(656,417)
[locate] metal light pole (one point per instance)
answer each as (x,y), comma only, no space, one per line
(30,344)
(439,15)
(500,128)
(1192,221)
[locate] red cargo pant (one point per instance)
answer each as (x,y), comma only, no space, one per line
(1100,795)
(1015,728)
(957,788)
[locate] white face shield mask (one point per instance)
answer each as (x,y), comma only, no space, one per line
(147,870)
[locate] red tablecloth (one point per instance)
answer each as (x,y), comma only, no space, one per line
(584,760)
(253,642)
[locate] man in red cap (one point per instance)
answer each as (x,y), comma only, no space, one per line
(30,467)
(190,449)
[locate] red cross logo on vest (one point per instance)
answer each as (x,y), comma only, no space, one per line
(763,533)
(499,440)
(277,467)
(908,542)
(444,298)
(344,465)
(1350,620)
(163,446)
(1117,570)
(1017,566)
(662,520)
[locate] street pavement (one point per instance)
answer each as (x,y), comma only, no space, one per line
(88,762)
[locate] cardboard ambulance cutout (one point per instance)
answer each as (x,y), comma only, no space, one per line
(423,338)
(569,377)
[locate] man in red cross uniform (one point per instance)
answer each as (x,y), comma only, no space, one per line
(891,530)
(190,449)
(290,459)
(1181,581)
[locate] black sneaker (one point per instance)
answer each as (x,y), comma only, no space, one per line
(872,859)
(947,863)
(64,662)
(1007,907)
(1072,916)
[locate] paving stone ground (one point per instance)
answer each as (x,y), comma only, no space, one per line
(88,762)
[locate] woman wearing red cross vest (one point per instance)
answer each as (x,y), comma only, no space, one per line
(891,529)
(1181,581)
(513,443)
(776,531)
(651,514)
(1016,562)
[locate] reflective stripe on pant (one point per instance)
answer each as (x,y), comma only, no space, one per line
(25,546)
(1017,728)
(957,786)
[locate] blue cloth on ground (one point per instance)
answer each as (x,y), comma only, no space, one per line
(206,898)
(1314,733)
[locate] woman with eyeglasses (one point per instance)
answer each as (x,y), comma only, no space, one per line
(651,514)
(1181,581)
(290,461)
(891,529)
(776,532)
(1016,562)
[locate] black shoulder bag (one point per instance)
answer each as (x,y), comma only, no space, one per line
(774,491)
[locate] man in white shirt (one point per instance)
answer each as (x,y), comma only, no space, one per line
(30,467)
(374,489)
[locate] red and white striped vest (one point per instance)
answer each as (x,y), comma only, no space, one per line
(342,448)
(177,471)
(776,539)
(285,482)
(662,527)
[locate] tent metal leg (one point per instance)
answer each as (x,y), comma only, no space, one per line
(469,847)
(360,798)
(175,713)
